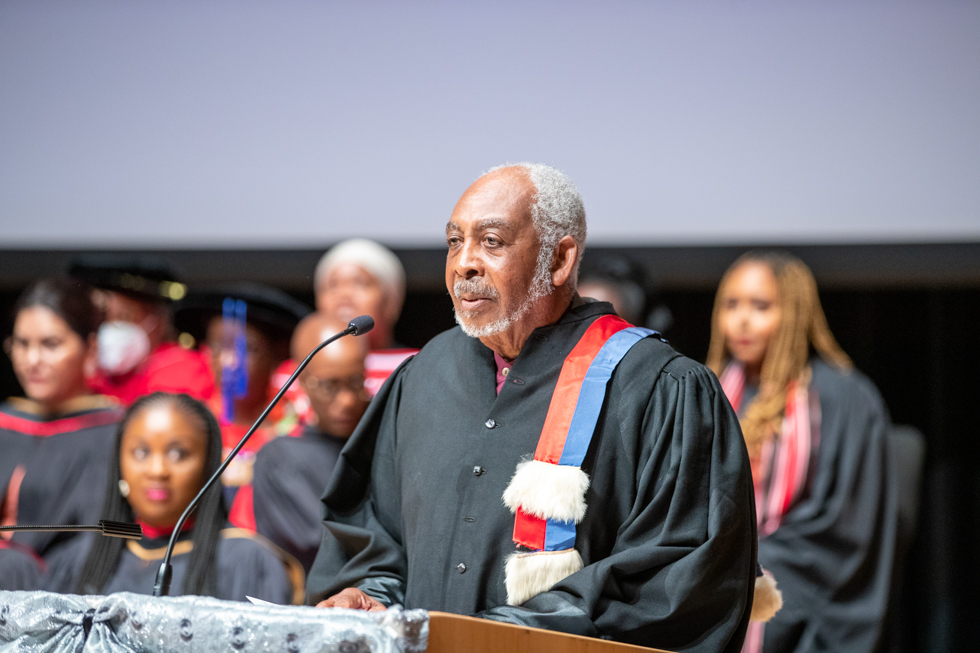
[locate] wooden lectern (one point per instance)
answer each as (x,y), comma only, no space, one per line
(453,633)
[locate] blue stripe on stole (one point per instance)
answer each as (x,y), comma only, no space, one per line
(593,393)
(560,535)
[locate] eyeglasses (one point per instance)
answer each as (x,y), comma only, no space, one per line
(328,389)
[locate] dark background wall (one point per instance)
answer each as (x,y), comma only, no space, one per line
(907,314)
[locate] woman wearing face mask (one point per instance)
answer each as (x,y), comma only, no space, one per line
(816,433)
(137,352)
(166,447)
(54,442)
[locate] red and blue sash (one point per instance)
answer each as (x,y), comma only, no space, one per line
(572,416)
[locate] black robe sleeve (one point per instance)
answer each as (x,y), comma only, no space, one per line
(361,545)
(833,552)
(683,559)
(289,478)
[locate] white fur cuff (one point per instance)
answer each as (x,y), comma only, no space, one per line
(529,574)
(548,491)
(767,599)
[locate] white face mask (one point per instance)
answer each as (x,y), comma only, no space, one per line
(122,346)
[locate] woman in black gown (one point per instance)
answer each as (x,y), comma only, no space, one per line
(55,443)
(816,431)
(166,447)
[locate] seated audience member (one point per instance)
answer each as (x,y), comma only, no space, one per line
(137,352)
(633,521)
(246,343)
(166,447)
(815,430)
(55,443)
(624,284)
(291,473)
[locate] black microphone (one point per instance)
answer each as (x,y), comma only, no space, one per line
(358,327)
(107,527)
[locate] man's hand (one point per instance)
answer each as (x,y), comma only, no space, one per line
(352,599)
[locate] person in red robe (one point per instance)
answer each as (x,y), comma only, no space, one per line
(137,349)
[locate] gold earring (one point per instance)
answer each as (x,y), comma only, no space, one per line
(123,488)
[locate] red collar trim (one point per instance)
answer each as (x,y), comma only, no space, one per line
(57,426)
(155,532)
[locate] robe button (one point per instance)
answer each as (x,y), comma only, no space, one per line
(478,471)
(461,568)
(490,423)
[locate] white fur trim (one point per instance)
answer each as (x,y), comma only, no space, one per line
(529,574)
(548,491)
(767,599)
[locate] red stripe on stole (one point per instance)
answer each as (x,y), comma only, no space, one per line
(58,426)
(801,448)
(529,531)
(565,397)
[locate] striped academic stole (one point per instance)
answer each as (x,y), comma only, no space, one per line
(781,470)
(547,494)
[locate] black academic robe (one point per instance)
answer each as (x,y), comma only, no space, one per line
(833,552)
(414,512)
(248,565)
(289,477)
(65,459)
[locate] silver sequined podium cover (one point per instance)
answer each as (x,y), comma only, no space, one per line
(60,623)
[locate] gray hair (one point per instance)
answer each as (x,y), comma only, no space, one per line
(557,211)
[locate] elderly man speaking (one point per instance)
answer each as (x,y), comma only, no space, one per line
(545,464)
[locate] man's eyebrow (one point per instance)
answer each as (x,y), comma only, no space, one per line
(486,223)
(491,222)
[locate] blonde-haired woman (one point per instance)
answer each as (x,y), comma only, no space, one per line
(816,431)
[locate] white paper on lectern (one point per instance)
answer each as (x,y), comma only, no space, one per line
(260,601)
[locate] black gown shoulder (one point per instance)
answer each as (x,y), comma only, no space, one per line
(63,462)
(290,475)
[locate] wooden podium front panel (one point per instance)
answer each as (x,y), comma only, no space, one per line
(453,633)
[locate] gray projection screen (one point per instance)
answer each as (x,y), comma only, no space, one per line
(294,124)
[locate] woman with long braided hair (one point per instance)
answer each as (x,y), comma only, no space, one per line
(166,447)
(815,430)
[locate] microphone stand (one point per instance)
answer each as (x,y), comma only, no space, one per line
(358,326)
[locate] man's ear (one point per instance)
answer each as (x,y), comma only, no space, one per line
(564,262)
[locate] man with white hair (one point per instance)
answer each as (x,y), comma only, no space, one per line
(545,464)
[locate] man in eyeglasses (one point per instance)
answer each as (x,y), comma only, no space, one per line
(290,473)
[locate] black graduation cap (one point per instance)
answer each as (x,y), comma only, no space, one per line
(144,276)
(270,310)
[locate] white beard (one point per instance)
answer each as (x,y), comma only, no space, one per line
(540,287)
